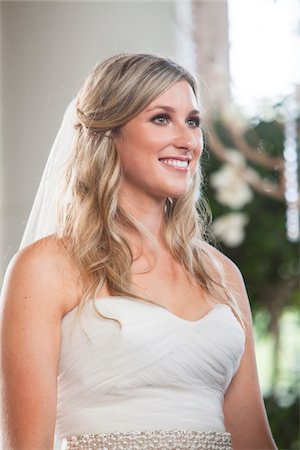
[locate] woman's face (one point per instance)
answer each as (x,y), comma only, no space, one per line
(161,146)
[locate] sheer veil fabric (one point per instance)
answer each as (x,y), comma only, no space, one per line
(42,219)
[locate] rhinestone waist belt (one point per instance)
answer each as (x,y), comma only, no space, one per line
(151,440)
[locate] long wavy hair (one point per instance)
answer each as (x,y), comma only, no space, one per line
(90,218)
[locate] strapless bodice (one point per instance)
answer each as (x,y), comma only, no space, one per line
(158,372)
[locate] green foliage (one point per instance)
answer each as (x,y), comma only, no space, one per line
(284,422)
(267,260)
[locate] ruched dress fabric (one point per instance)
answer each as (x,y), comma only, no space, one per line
(159,372)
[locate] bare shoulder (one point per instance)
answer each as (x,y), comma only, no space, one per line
(232,276)
(231,269)
(39,285)
(43,272)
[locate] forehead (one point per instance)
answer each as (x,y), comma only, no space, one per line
(180,94)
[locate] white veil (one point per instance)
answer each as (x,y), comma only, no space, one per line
(42,218)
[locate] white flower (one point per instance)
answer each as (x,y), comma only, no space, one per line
(230,228)
(232,189)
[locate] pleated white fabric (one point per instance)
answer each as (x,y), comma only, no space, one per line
(159,372)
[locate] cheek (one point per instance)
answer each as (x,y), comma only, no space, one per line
(199,150)
(200,146)
(197,155)
(139,149)
(126,148)
(134,159)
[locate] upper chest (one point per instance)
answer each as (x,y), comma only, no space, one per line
(164,281)
(169,284)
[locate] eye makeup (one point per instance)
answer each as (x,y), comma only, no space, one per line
(166,117)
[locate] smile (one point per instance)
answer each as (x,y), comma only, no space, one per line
(175,164)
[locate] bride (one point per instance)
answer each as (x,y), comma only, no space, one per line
(121,326)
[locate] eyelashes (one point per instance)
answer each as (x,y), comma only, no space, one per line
(165,117)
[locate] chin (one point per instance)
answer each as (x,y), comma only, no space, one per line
(177,194)
(179,191)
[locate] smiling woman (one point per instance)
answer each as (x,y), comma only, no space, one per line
(121,326)
(171,146)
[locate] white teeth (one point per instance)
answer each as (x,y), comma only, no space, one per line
(175,162)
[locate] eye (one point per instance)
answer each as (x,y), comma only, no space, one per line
(194,121)
(160,118)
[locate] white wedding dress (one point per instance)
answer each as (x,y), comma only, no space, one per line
(159,372)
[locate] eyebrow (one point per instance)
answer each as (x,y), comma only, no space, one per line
(169,108)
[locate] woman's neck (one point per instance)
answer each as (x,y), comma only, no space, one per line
(148,211)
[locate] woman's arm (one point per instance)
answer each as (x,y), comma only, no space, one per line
(32,306)
(245,414)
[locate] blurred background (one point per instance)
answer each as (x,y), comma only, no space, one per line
(246,55)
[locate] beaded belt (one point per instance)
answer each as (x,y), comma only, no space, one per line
(151,440)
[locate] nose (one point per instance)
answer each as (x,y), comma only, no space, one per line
(184,138)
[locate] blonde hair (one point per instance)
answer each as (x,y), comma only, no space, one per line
(89,213)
